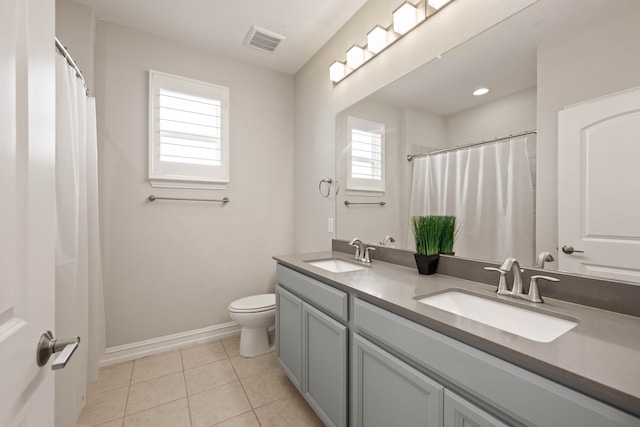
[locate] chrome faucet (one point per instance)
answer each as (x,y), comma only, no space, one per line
(516,289)
(542,258)
(357,243)
(388,240)
(362,251)
(513,265)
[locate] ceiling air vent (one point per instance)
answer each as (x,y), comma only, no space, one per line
(262,39)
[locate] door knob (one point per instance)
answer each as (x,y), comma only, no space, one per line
(48,345)
(569,250)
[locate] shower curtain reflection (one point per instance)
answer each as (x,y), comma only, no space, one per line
(489,189)
(79,295)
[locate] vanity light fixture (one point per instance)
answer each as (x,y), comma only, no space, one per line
(377,39)
(355,57)
(405,18)
(337,71)
(437,4)
(480,91)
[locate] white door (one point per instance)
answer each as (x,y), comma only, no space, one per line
(27,150)
(599,187)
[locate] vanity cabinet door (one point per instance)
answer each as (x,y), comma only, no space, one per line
(388,392)
(324,354)
(459,412)
(289,335)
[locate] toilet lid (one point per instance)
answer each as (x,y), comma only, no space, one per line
(254,303)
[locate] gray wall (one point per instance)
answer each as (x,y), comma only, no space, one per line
(171,266)
(596,61)
(76,29)
(510,114)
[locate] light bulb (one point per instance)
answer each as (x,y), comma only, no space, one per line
(337,71)
(355,57)
(377,39)
(405,18)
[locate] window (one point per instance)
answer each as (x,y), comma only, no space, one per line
(188,133)
(365,160)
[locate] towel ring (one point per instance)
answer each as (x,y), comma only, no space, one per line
(328,181)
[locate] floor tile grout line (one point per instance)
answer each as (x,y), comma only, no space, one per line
(187,388)
(126,405)
(154,407)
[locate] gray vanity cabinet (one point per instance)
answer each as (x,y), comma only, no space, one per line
(324,355)
(459,412)
(391,363)
(289,335)
(311,344)
(388,392)
(511,392)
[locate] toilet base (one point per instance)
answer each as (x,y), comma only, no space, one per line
(254,342)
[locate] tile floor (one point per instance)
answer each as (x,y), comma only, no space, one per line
(201,386)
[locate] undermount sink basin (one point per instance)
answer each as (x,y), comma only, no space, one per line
(335,265)
(526,323)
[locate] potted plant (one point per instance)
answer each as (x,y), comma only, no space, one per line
(434,235)
(427,231)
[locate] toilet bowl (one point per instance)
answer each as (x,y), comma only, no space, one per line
(254,314)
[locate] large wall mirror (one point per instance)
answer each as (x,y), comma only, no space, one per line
(523,61)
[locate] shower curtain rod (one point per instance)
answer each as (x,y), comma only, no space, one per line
(444,150)
(71,62)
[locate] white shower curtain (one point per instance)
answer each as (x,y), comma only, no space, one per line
(79,294)
(488,187)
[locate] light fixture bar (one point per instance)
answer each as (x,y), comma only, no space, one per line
(406,17)
(437,4)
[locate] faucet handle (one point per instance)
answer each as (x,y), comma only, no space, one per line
(534,293)
(502,283)
(367,256)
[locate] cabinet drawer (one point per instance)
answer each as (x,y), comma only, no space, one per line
(506,387)
(325,297)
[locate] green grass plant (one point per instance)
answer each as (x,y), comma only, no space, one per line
(434,234)
(427,231)
(449,234)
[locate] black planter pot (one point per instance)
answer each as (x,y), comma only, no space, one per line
(427,264)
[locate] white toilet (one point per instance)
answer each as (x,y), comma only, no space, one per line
(255,314)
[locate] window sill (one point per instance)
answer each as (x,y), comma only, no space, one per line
(188,184)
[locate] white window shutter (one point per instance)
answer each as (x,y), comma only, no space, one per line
(188,133)
(366,155)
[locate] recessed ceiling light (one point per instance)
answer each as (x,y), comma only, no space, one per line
(481,91)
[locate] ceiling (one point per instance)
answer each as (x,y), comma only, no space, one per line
(220,26)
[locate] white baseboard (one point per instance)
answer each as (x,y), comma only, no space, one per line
(136,350)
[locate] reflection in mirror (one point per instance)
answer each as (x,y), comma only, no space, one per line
(419,117)
(433,108)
